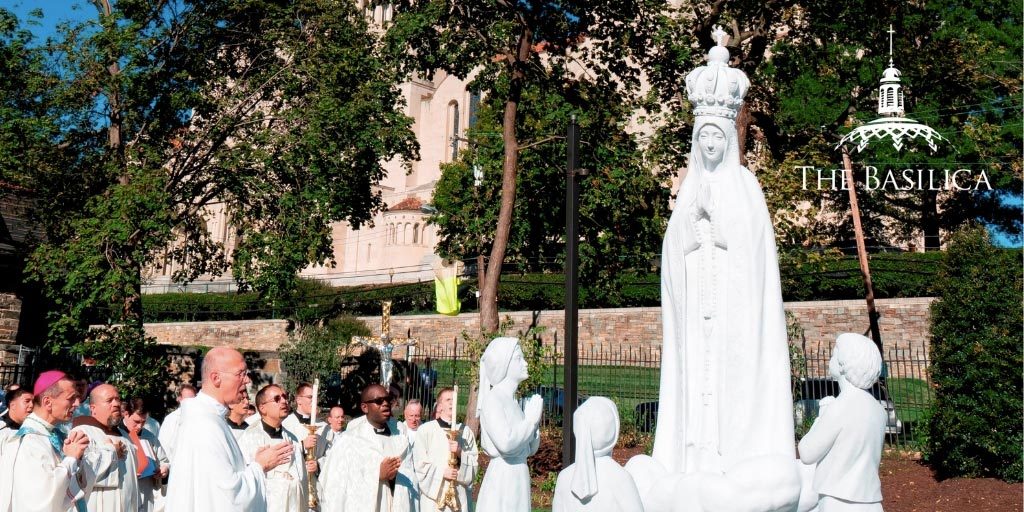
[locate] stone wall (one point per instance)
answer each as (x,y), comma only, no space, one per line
(10,316)
(619,335)
(245,335)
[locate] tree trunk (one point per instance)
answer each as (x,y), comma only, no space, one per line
(743,119)
(489,286)
(930,221)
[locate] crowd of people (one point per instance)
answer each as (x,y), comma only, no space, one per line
(66,446)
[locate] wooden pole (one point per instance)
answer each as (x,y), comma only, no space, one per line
(862,252)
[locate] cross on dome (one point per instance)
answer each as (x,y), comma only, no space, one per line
(719,35)
(891,32)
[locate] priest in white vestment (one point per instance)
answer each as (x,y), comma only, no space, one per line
(361,473)
(112,483)
(302,415)
(151,464)
(237,413)
(19,407)
(169,428)
(432,451)
(412,416)
(332,431)
(40,470)
(286,484)
(209,472)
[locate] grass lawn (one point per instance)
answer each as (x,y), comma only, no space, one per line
(912,397)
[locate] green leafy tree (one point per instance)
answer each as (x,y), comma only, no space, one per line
(279,113)
(314,351)
(623,205)
(975,422)
(961,75)
(507,47)
(510,46)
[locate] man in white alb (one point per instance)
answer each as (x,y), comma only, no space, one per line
(39,468)
(209,473)
(237,413)
(432,451)
(168,434)
(330,432)
(112,482)
(303,415)
(361,471)
(286,484)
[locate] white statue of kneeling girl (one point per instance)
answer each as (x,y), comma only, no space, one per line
(846,439)
(508,434)
(595,482)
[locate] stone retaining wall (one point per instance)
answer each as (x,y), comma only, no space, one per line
(904,326)
(10,316)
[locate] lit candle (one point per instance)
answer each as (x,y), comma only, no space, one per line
(455,404)
(316,393)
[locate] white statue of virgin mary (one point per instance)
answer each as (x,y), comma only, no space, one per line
(725,383)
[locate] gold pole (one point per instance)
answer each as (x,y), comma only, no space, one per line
(314,503)
(449,499)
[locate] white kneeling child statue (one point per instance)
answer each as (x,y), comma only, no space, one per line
(595,482)
(508,434)
(846,439)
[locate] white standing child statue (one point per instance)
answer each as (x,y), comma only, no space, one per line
(508,434)
(846,439)
(595,482)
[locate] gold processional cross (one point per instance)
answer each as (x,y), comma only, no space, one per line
(384,344)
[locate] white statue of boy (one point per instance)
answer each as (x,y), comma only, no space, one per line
(846,439)
(595,482)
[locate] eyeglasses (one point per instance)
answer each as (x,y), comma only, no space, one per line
(380,400)
(239,374)
(277,398)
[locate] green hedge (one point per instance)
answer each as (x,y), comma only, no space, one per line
(807,276)
(975,422)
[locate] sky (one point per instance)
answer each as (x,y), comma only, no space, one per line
(54,11)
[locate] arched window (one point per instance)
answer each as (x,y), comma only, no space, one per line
(424,236)
(415,233)
(406,234)
(453,130)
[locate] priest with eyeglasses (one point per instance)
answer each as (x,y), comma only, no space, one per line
(361,469)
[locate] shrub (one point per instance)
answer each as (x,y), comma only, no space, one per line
(314,351)
(975,422)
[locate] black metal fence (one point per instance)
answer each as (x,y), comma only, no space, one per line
(630,376)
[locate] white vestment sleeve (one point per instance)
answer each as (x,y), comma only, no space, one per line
(470,457)
(429,475)
(99,462)
(351,478)
(169,432)
(41,483)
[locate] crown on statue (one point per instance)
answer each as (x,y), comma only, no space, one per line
(716,89)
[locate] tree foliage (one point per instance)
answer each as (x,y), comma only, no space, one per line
(314,351)
(975,424)
(279,113)
(623,206)
(960,74)
(508,47)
